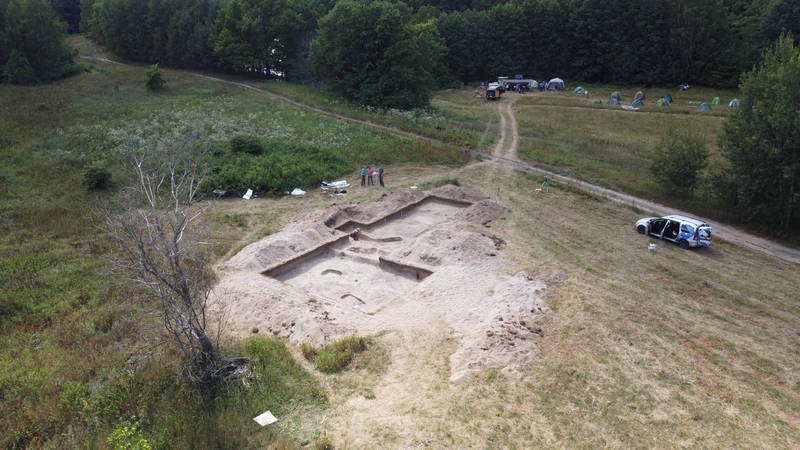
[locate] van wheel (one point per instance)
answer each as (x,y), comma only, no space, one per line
(641,229)
(684,244)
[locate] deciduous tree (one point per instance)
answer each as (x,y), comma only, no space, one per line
(369,52)
(762,141)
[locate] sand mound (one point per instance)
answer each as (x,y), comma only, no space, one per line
(481,212)
(508,337)
(366,213)
(280,247)
(458,193)
(423,262)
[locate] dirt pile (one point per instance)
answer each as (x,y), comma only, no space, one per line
(424,262)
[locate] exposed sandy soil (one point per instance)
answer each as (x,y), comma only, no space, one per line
(422,261)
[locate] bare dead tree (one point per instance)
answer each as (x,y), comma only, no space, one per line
(155,230)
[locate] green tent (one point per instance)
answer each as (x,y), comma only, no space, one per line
(715,101)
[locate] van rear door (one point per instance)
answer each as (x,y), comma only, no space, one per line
(704,235)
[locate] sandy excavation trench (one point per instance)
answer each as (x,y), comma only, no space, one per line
(423,259)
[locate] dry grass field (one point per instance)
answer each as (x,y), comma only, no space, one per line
(672,349)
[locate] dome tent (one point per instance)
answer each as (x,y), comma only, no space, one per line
(735,103)
(556,84)
(580,90)
(616,99)
(715,101)
(704,107)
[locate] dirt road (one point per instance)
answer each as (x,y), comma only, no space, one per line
(506,155)
(506,145)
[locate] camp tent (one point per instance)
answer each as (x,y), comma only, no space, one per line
(715,101)
(704,107)
(735,103)
(556,84)
(580,90)
(667,97)
(662,102)
(613,101)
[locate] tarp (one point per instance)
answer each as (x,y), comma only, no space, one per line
(704,107)
(735,103)
(298,191)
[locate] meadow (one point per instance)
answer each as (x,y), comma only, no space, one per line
(71,330)
(669,349)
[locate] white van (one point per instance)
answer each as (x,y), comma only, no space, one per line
(685,231)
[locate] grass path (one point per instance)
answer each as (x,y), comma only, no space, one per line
(507,156)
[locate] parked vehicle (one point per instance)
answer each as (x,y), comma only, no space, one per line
(493,91)
(684,231)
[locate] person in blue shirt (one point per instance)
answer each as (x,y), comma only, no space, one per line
(363,176)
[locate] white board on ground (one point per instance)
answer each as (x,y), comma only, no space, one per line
(248,195)
(265,419)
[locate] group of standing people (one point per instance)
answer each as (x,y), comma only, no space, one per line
(368,174)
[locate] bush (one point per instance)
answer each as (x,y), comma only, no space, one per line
(154,79)
(247,144)
(128,436)
(680,157)
(336,356)
(18,70)
(96,177)
(282,167)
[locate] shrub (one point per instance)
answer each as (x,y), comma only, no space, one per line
(154,79)
(282,167)
(680,157)
(336,356)
(246,144)
(75,397)
(128,436)
(96,177)
(18,70)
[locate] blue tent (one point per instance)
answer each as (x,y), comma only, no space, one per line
(667,97)
(735,103)
(704,107)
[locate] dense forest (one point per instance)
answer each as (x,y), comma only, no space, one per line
(634,42)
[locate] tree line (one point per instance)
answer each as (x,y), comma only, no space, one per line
(621,41)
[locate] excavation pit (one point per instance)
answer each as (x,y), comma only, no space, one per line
(316,281)
(411,221)
(355,271)
(365,283)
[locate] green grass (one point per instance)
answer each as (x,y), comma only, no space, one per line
(336,357)
(462,127)
(68,328)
